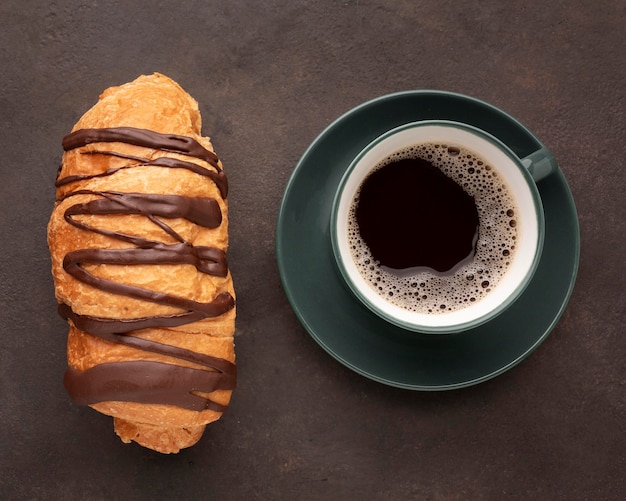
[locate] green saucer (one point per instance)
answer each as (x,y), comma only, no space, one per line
(359,339)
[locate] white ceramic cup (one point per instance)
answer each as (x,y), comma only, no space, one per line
(519,175)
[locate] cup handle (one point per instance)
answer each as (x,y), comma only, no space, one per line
(540,164)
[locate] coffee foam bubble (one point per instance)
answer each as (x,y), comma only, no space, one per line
(425,291)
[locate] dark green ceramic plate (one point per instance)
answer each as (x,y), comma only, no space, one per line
(361,340)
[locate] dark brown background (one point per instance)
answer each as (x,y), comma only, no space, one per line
(269,77)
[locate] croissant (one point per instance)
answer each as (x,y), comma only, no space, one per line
(138,238)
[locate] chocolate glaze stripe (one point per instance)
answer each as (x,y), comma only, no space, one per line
(73,261)
(199,210)
(218,177)
(146,382)
(206,260)
(109,333)
(202,211)
(141,137)
(100,327)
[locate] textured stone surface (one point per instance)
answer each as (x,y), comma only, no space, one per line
(301,426)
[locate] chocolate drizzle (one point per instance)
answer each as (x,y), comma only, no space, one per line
(202,211)
(140,137)
(143,381)
(146,382)
(218,176)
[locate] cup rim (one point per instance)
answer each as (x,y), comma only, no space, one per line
(443,328)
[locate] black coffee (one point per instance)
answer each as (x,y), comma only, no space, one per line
(433,228)
(411,215)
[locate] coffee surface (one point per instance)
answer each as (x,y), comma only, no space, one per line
(433,228)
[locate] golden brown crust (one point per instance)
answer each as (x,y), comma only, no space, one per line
(160,439)
(159,104)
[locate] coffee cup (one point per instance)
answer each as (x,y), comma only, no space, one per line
(438,227)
